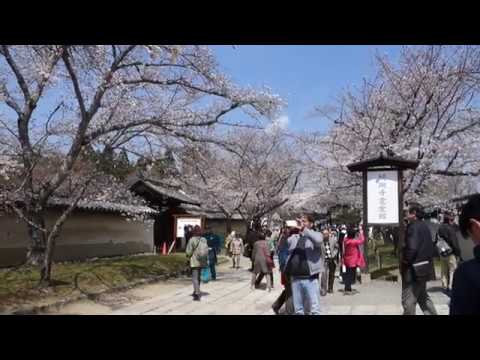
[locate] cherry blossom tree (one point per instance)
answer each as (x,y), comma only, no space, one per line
(63,100)
(423,107)
(251,174)
(267,173)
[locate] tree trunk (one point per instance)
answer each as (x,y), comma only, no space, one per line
(45,272)
(46,268)
(228,224)
(38,241)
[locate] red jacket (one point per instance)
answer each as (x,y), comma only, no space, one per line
(352,256)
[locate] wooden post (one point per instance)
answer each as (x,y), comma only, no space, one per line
(401,223)
(365,221)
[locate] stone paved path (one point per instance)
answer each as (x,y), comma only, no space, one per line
(231,295)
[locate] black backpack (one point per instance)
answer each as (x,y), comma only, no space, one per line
(297,263)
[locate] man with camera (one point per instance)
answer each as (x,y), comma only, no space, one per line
(304,264)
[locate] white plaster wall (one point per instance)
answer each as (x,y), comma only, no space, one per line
(83,235)
(13,233)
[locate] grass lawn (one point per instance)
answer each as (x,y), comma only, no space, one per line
(388,258)
(18,286)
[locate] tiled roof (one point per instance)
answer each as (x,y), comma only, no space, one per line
(208,213)
(105,206)
(166,191)
(384,160)
(99,206)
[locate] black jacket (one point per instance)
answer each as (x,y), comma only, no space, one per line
(251,238)
(418,247)
(466,287)
(448,233)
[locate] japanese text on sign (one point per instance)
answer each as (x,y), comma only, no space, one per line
(382,197)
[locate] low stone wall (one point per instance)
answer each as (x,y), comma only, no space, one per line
(84,235)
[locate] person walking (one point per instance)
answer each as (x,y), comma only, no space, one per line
(213,242)
(197,253)
(465,298)
(262,264)
(285,296)
(304,265)
(394,236)
(187,231)
(449,260)
(251,239)
(417,263)
(342,233)
(236,250)
(352,257)
(228,241)
(271,243)
(330,244)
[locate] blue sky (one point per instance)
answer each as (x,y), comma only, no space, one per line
(306,76)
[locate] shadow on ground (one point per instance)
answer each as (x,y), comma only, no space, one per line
(439,289)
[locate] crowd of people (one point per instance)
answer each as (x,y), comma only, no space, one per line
(310,255)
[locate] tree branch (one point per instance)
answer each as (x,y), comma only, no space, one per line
(20,79)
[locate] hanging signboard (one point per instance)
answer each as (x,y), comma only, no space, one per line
(382,197)
(181,222)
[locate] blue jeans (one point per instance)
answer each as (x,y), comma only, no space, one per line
(306,290)
(213,271)
(212,259)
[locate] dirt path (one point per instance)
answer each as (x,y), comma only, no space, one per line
(107,303)
(231,294)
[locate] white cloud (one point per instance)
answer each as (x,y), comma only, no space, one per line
(279,124)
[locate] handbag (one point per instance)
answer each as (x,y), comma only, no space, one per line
(205,275)
(421,270)
(269,259)
(443,248)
